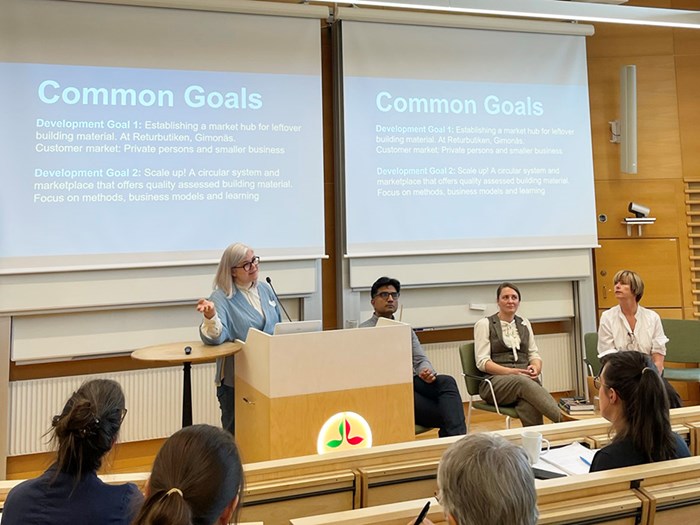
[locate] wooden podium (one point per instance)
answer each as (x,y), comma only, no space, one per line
(287,386)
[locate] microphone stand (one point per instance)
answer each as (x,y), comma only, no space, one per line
(269,281)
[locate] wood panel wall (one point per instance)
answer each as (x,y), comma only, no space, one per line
(668,112)
(668,72)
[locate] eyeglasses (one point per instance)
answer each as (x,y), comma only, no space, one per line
(247,266)
(597,382)
(122,415)
(438,496)
(386,295)
(631,341)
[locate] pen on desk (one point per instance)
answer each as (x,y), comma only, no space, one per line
(423,514)
(585,460)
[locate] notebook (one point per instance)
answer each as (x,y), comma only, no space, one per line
(568,460)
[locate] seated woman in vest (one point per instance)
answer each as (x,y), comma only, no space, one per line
(197,478)
(634,399)
(506,351)
(69,492)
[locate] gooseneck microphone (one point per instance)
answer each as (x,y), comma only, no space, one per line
(269,281)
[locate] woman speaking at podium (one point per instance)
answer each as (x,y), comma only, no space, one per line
(238,302)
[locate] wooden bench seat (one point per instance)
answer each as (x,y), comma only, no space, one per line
(674,499)
(392,514)
(389,484)
(652,483)
(275,502)
(280,489)
(602,440)
(655,494)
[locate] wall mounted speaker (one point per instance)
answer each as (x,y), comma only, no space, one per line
(628,119)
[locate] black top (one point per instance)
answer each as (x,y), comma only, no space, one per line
(623,454)
(92,502)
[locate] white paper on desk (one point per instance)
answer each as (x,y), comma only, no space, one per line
(541,465)
(567,459)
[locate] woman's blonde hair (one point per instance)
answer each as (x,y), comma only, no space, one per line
(234,255)
(633,280)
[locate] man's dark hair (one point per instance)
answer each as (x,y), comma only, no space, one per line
(384,281)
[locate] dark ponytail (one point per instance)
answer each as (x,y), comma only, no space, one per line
(645,404)
(196,474)
(88,426)
(166,508)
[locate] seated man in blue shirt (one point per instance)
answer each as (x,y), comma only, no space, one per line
(436,399)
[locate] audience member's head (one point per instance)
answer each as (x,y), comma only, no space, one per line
(634,398)
(197,479)
(484,478)
(88,426)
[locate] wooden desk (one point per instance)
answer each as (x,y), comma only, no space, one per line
(177,353)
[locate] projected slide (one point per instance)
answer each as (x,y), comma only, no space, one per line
(119,165)
(120,160)
(485,147)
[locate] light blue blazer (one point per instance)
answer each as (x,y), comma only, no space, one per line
(237,316)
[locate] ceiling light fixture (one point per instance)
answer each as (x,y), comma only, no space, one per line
(551,10)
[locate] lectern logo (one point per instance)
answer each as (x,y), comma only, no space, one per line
(335,443)
(344,431)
